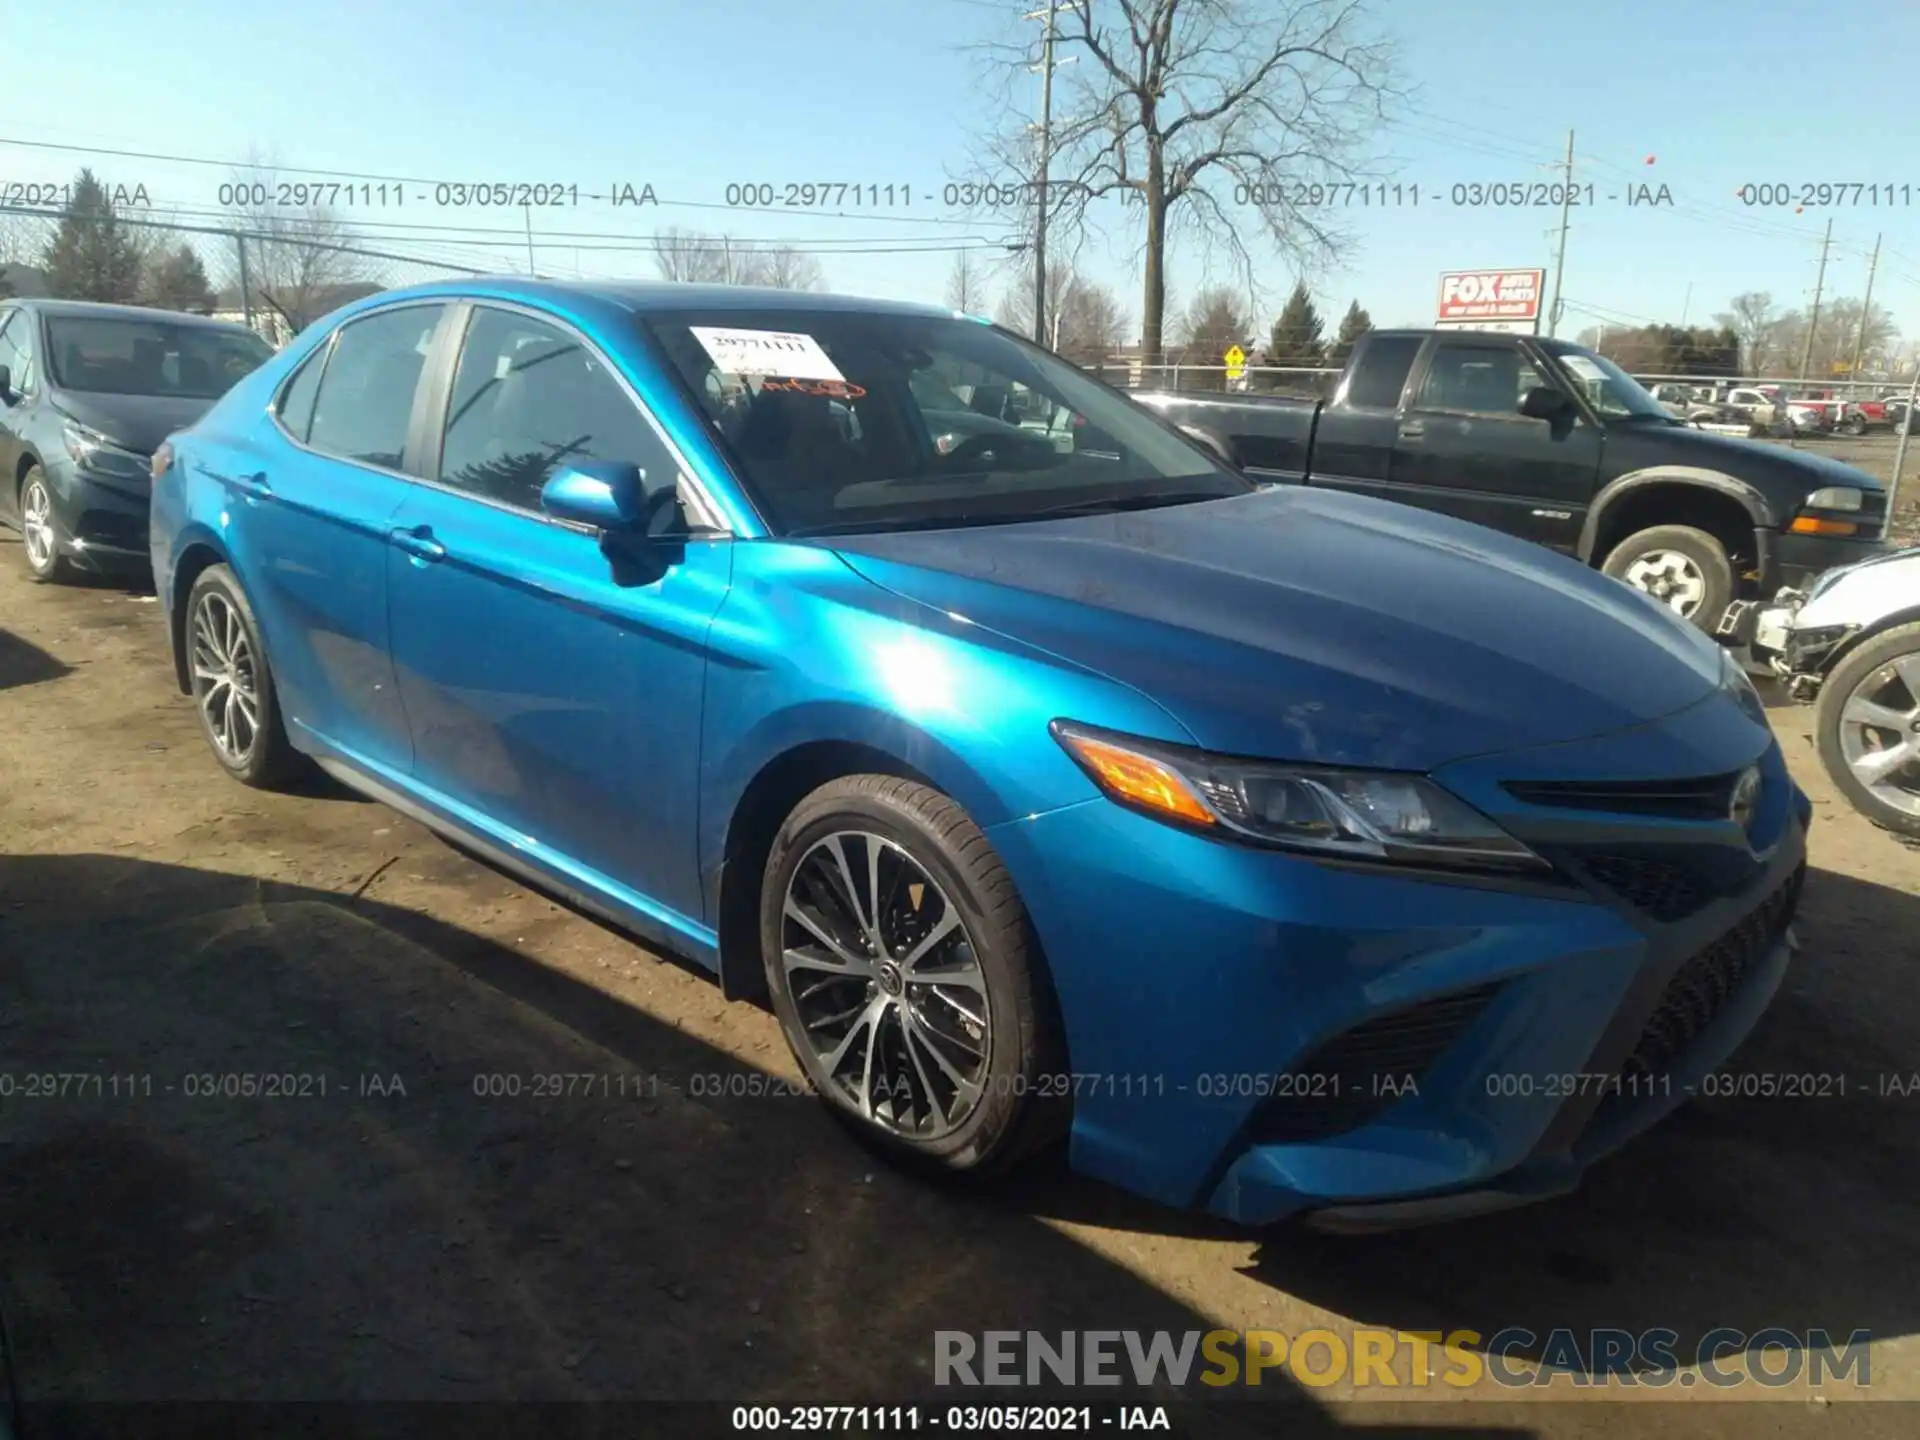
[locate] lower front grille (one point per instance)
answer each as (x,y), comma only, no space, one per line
(1664,889)
(1354,1077)
(1700,988)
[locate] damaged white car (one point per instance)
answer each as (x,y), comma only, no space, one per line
(1851,645)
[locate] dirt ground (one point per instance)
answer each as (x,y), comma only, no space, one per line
(669,1230)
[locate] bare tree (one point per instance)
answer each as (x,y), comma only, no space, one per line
(298,258)
(697,257)
(966,290)
(1084,321)
(1202,113)
(1215,320)
(1752,317)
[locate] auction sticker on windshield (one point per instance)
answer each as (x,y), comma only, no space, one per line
(788,354)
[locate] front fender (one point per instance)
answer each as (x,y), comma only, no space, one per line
(1759,511)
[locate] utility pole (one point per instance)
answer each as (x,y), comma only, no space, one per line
(1042,173)
(1819,288)
(528,211)
(1866,311)
(1686,306)
(246,291)
(1560,253)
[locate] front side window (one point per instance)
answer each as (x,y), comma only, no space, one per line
(1481,379)
(1614,394)
(16,350)
(529,397)
(98,355)
(842,420)
(365,402)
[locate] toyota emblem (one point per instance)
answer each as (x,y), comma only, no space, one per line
(1746,797)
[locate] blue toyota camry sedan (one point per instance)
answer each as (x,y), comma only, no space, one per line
(1280,852)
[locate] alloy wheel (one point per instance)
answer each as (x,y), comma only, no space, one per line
(887,986)
(1671,578)
(36,524)
(1880,732)
(225,681)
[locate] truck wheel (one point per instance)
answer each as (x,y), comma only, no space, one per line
(1685,569)
(1855,425)
(1868,729)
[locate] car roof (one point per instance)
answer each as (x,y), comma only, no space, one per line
(94,310)
(643,296)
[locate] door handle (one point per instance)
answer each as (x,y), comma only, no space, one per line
(1412,429)
(254,487)
(419,543)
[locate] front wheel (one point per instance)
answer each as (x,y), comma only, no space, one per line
(1685,569)
(40,530)
(1855,425)
(233,688)
(906,976)
(1868,729)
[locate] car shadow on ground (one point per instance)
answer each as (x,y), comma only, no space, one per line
(24,663)
(284,1146)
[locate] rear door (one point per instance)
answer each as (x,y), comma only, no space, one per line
(308,516)
(551,691)
(1463,446)
(1353,443)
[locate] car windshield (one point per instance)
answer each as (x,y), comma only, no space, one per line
(150,357)
(844,420)
(1613,393)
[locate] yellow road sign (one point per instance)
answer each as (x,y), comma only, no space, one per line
(1236,359)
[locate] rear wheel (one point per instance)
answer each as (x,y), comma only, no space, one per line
(1687,570)
(233,685)
(40,530)
(905,974)
(1868,728)
(1855,425)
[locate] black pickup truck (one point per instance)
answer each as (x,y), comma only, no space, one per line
(1545,440)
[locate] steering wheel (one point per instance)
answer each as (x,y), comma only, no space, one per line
(976,448)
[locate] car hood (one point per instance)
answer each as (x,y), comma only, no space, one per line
(1314,625)
(133,422)
(1741,456)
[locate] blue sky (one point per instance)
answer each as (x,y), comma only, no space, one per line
(688,97)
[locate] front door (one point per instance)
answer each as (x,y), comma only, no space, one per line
(1463,446)
(549,691)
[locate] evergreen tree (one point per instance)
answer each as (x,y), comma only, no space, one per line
(91,255)
(1355,323)
(1297,333)
(177,281)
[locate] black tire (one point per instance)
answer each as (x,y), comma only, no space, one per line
(1855,425)
(1710,565)
(54,567)
(1017,1113)
(268,760)
(1830,724)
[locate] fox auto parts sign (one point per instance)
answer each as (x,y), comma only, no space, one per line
(1512,296)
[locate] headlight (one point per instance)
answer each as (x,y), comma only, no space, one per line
(96,452)
(1737,683)
(1834,497)
(1358,814)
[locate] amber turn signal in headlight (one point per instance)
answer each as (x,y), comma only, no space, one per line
(1129,775)
(1814,525)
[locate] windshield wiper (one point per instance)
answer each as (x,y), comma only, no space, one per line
(1113,504)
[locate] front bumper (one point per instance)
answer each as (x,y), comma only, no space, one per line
(1212,995)
(1792,561)
(102,519)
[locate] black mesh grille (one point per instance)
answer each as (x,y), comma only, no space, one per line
(1663,888)
(1352,1078)
(1705,798)
(1700,988)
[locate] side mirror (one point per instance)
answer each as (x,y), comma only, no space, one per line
(609,495)
(1543,402)
(6,384)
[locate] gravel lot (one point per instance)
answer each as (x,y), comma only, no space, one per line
(401,1236)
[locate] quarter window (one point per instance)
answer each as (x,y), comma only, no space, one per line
(295,406)
(365,400)
(529,397)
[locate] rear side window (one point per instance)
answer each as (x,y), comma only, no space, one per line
(295,406)
(365,400)
(1382,372)
(16,349)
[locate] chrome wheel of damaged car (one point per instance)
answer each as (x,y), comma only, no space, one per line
(888,986)
(39,529)
(1670,578)
(1880,732)
(223,679)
